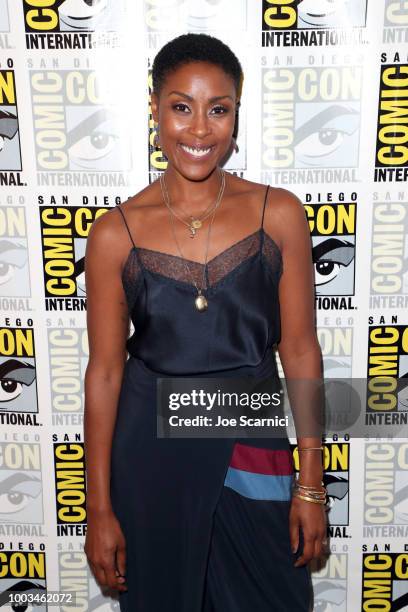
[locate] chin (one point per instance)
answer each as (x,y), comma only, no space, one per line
(197,174)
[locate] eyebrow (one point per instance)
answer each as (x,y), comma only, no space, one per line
(184,95)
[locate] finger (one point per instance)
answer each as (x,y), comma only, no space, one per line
(307,553)
(111,575)
(100,575)
(121,560)
(318,547)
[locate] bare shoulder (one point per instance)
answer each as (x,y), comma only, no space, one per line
(283,204)
(247,189)
(109,230)
(284,215)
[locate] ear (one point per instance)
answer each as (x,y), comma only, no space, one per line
(155,106)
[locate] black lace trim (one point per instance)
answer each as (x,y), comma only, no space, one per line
(178,269)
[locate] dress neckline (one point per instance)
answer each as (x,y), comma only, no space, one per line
(219,270)
(260,231)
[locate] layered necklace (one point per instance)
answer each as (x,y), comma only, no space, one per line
(201,301)
(195,223)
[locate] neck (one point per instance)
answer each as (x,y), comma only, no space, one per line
(192,195)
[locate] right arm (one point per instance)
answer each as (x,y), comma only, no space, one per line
(108,328)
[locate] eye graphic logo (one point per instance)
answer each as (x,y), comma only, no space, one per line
(384,581)
(18,393)
(329,579)
(336,344)
(311,117)
(312,22)
(313,14)
(10,152)
(77,129)
(196,15)
(336,464)
(4,17)
(72,15)
(23,573)
(21,484)
(14,268)
(333,230)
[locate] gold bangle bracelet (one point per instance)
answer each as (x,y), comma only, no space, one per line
(308,499)
(311,448)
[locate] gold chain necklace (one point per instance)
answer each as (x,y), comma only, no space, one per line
(196,222)
(201,302)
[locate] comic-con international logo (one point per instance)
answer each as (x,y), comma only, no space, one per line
(395,21)
(389,248)
(298,23)
(386,490)
(236,162)
(22,572)
(64,230)
(163,16)
(384,581)
(15,286)
(336,343)
(391,156)
(68,358)
(74,570)
(336,464)
(21,501)
(80,131)
(18,394)
(70,488)
(72,24)
(387,369)
(310,124)
(10,148)
(329,576)
(333,232)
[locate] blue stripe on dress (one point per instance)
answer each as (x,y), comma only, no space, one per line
(259,486)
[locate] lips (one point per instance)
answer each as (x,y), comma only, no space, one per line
(196,152)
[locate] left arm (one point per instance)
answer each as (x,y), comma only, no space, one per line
(300,354)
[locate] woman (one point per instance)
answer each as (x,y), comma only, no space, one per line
(200,260)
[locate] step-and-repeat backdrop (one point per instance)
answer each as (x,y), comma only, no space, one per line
(324,114)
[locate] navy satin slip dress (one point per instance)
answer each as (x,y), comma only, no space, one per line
(205,520)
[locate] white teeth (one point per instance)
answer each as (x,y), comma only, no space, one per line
(196,152)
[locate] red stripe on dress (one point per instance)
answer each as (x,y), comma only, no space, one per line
(262,460)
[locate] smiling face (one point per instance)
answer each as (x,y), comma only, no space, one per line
(195,110)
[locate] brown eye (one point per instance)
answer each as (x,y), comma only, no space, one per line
(181,107)
(220,110)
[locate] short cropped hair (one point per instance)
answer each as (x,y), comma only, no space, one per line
(189,48)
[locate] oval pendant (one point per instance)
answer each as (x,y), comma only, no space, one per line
(196,223)
(201,303)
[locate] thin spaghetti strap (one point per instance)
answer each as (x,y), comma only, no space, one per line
(127,227)
(264,205)
(262,222)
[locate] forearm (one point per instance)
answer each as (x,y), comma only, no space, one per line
(101,399)
(303,374)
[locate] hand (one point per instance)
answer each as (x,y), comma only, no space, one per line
(105,549)
(311,518)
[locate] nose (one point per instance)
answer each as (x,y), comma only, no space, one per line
(200,126)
